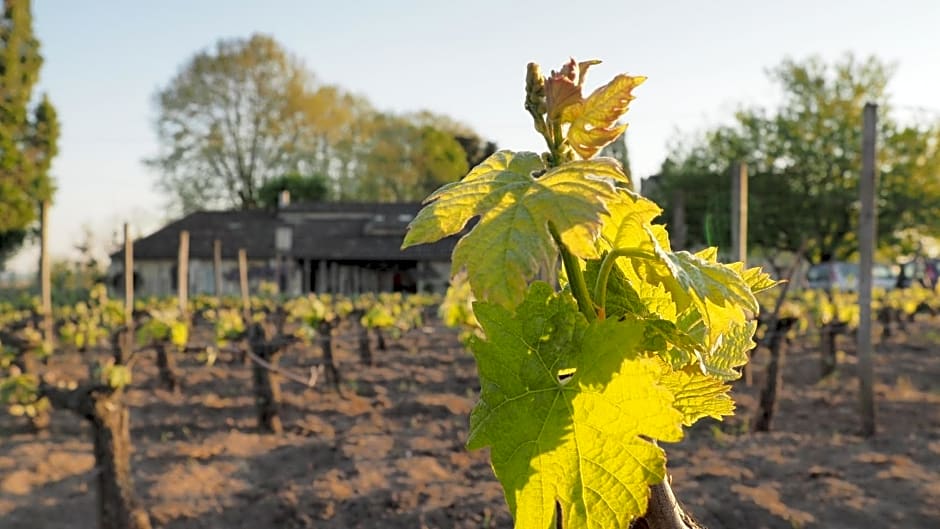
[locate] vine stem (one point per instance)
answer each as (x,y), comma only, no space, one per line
(548,132)
(555,145)
(575,277)
(600,286)
(664,511)
(310,381)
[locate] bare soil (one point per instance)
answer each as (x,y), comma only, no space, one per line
(388,452)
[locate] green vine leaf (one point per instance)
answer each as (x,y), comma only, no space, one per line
(708,301)
(179,334)
(629,214)
(594,121)
(729,350)
(673,344)
(707,280)
(511,244)
(568,409)
(661,336)
(756,279)
(698,395)
(682,273)
(622,298)
(117,376)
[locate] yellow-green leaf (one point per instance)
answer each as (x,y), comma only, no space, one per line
(757,280)
(706,279)
(706,299)
(568,409)
(511,243)
(179,334)
(698,395)
(729,349)
(594,123)
(117,375)
(629,214)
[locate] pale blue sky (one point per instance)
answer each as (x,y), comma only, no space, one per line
(105,59)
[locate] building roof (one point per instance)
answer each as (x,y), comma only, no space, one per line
(332,231)
(352,207)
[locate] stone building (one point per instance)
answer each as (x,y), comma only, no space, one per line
(344,248)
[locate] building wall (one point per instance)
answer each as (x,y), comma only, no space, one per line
(158,277)
(332,277)
(436,277)
(152,278)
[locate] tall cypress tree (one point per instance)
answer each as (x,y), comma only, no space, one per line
(28,139)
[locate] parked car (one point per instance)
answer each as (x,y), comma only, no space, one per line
(843,276)
(925,272)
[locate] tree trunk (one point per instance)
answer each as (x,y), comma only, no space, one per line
(828,350)
(326,344)
(267,387)
(119,345)
(118,507)
(774,381)
(380,339)
(365,348)
(166,363)
(885,317)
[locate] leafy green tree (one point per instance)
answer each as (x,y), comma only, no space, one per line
(406,160)
(473,144)
(804,159)
(247,112)
(237,116)
(301,188)
(10,242)
(477,148)
(28,139)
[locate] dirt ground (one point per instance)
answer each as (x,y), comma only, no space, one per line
(389,451)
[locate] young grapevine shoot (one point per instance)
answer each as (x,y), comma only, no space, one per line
(583,368)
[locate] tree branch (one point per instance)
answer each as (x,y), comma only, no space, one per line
(310,381)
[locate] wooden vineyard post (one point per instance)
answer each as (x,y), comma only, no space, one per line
(166,358)
(679,229)
(217,266)
(867,230)
(739,213)
(243,283)
(45,279)
(246,300)
(182,276)
(40,421)
(127,344)
(739,230)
